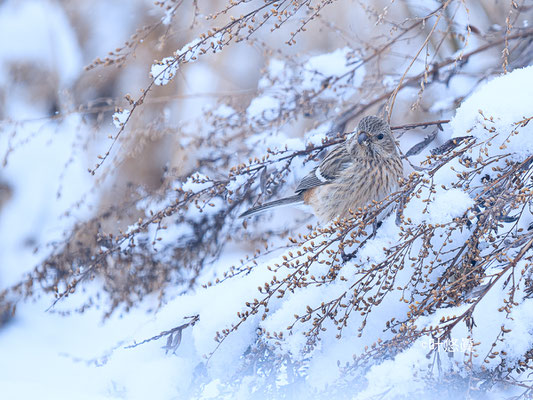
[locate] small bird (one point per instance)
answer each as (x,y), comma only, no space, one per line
(363,168)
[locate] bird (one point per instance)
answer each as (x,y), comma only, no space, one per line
(363,168)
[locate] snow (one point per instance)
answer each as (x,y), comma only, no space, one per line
(325,65)
(277,86)
(316,137)
(164,71)
(277,69)
(236,183)
(498,106)
(265,108)
(120,118)
(169,14)
(278,74)
(444,206)
(449,204)
(224,111)
(211,390)
(190,51)
(330,66)
(81,365)
(396,378)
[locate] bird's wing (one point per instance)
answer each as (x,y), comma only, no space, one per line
(329,169)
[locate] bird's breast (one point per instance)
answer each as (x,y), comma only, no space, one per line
(355,187)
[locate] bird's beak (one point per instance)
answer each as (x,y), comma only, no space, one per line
(361,137)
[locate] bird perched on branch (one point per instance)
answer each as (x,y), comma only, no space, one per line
(365,167)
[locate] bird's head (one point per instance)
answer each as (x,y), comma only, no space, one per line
(373,137)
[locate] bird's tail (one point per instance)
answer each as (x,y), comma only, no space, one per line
(298,198)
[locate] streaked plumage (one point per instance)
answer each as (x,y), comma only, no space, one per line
(366,167)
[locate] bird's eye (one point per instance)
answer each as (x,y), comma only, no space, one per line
(380,136)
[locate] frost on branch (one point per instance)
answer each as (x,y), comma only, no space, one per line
(120,118)
(164,71)
(321,83)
